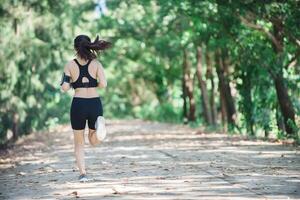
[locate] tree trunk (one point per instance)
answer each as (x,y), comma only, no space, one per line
(285,104)
(279,119)
(225,91)
(247,100)
(185,114)
(15,126)
(228,97)
(15,25)
(221,91)
(223,109)
(284,101)
(189,87)
(209,76)
(202,86)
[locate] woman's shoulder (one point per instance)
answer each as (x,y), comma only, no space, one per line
(70,63)
(96,62)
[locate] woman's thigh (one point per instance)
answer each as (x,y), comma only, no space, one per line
(78,114)
(95,110)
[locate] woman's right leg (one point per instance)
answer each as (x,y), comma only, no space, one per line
(79,150)
(93,137)
(95,110)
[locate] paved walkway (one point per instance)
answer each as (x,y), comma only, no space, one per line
(146,160)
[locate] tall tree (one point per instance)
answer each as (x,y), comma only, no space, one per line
(203,88)
(210,77)
(188,82)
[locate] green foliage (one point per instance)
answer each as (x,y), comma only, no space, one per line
(164,112)
(31,36)
(144,67)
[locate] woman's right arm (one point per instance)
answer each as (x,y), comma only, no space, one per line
(101,76)
(65,84)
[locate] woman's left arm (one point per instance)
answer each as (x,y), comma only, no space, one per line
(66,79)
(101,75)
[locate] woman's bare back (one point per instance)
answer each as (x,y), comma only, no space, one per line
(95,70)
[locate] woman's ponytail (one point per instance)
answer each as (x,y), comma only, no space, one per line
(88,50)
(99,45)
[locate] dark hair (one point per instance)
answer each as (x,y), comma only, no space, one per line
(88,50)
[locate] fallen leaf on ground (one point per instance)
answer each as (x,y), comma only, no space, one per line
(32,181)
(115,191)
(21,173)
(75,193)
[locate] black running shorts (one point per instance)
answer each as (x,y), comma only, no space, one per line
(83,109)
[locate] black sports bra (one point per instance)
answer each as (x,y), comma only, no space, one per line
(84,72)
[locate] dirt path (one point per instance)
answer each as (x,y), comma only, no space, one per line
(146,160)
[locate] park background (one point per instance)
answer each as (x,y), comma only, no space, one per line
(231,66)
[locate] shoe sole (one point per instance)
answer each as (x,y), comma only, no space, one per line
(100,131)
(83,180)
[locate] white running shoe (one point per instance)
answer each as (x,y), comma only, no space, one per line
(83,178)
(100,128)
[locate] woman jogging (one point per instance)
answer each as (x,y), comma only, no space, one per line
(85,74)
